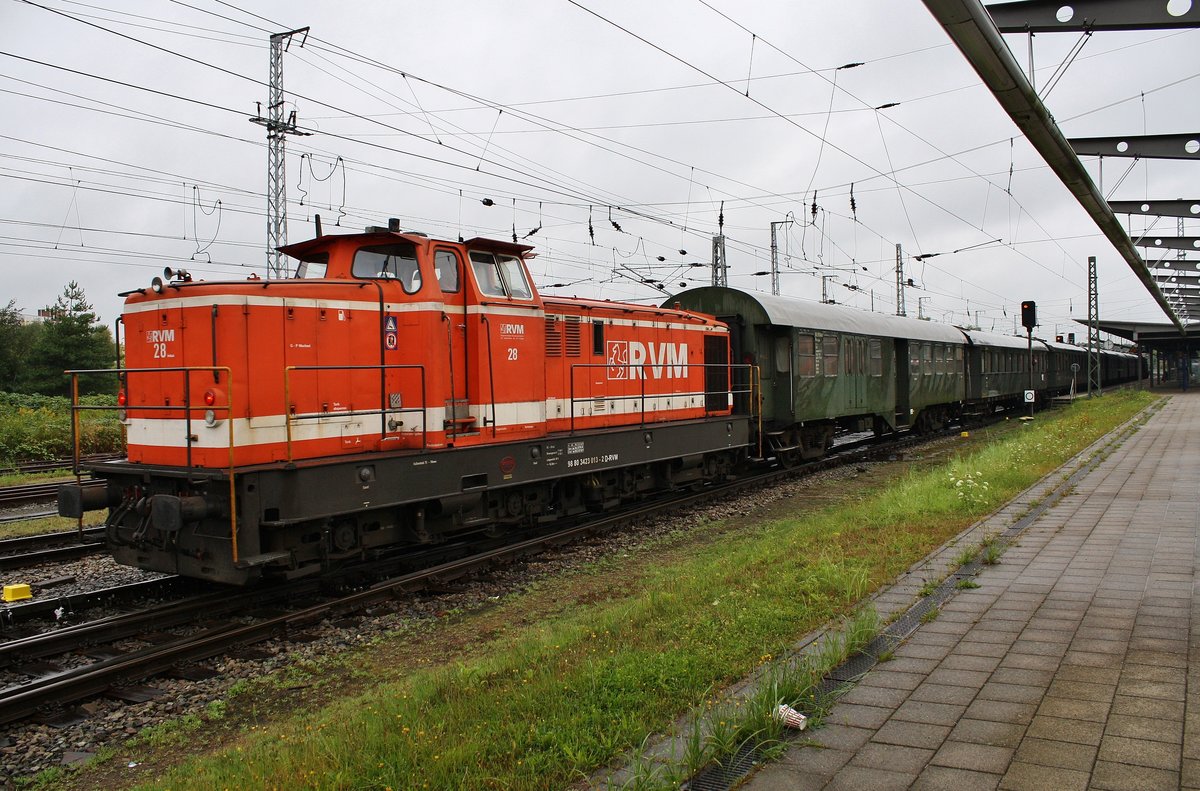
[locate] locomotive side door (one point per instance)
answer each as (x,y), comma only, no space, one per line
(508,354)
(448,265)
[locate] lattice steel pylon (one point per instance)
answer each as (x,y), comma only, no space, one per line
(1093,330)
(900,310)
(720,267)
(278,128)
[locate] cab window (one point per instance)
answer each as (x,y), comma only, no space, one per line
(500,277)
(487,275)
(313,268)
(445,263)
(389,262)
(514,278)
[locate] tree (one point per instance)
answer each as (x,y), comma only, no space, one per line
(71,338)
(14,345)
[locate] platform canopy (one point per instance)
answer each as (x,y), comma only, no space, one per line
(1159,336)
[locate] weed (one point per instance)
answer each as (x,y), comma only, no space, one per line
(928,588)
(931,615)
(991,555)
(239,687)
(966,584)
(47,778)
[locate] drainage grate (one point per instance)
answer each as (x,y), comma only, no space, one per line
(853,668)
(723,776)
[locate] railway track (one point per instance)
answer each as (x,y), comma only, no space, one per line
(166,654)
(32,493)
(30,467)
(26,551)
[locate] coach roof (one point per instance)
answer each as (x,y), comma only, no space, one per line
(786,312)
(1001,341)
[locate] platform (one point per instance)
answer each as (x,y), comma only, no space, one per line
(1072,666)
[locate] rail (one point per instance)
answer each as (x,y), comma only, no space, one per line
(383,411)
(729,390)
(190,439)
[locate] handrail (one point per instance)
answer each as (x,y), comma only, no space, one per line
(704,393)
(383,410)
(187,407)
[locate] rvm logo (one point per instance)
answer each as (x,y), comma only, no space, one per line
(637,360)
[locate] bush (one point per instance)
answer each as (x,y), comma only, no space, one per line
(38,428)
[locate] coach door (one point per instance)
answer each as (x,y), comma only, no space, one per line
(902,365)
(856,372)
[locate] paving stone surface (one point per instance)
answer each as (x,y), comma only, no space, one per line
(1073,666)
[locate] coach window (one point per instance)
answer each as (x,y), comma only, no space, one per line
(876,350)
(390,262)
(597,336)
(829,355)
(926,359)
(783,354)
(445,263)
(806,355)
(939,358)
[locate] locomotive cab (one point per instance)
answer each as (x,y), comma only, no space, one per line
(457,323)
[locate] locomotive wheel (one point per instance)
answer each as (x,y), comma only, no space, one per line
(344,537)
(514,504)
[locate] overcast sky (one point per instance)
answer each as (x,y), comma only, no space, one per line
(126,145)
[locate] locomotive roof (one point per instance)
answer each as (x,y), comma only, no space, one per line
(299,250)
(664,313)
(787,312)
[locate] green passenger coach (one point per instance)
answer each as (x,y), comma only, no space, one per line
(821,367)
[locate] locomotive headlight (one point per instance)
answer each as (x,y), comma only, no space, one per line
(213,399)
(156,285)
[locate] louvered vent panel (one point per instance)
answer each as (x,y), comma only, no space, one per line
(553,337)
(574,344)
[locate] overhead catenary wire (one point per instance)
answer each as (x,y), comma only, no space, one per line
(687,206)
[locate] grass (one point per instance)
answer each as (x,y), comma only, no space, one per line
(530,702)
(17,478)
(54,524)
(716,733)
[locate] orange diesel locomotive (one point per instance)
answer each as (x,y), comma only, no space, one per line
(397,390)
